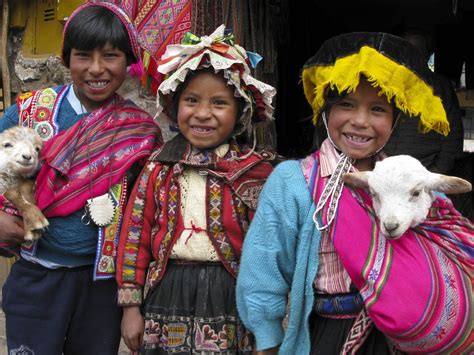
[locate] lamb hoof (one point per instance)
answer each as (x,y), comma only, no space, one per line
(30,236)
(34,223)
(33,234)
(40,225)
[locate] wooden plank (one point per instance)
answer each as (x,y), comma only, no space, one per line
(4,57)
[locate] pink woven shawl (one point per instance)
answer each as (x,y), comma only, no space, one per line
(418,289)
(94,154)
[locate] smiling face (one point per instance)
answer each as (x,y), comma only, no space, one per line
(361,123)
(207,110)
(97,74)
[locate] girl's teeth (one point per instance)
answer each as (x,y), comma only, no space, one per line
(358,139)
(97,84)
(200,129)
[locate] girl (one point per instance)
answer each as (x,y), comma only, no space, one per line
(190,209)
(94,141)
(314,247)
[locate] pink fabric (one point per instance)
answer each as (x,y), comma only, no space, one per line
(107,143)
(417,289)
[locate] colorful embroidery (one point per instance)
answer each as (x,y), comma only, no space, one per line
(239,213)
(135,226)
(186,334)
(129,296)
(215,188)
(108,236)
(377,268)
(39,109)
(169,200)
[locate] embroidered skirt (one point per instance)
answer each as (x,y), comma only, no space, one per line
(193,310)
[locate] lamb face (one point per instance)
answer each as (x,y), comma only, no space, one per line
(402,191)
(19,151)
(19,160)
(401,196)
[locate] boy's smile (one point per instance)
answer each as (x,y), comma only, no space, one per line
(361,123)
(97,74)
(207,111)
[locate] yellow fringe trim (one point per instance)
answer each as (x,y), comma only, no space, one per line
(411,94)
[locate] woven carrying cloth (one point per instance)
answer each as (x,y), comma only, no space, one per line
(389,63)
(417,289)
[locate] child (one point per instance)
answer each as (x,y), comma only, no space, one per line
(314,248)
(190,209)
(94,141)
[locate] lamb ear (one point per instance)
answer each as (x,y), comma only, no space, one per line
(360,179)
(448,184)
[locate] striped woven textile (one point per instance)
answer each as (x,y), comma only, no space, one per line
(418,289)
(87,159)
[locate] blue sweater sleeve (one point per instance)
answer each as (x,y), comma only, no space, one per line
(9,118)
(269,255)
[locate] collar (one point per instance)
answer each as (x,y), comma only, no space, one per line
(329,158)
(220,151)
(74,101)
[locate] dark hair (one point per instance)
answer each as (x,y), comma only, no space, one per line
(94,27)
(173,110)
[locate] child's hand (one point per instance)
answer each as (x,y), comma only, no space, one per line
(132,327)
(11,229)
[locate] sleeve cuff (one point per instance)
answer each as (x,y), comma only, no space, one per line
(130,296)
(269,335)
(8,207)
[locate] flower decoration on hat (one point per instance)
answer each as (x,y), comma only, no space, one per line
(388,62)
(217,51)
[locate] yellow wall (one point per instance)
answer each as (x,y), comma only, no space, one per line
(43,21)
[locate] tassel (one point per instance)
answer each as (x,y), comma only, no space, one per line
(136,69)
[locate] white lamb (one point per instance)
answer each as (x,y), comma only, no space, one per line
(19,161)
(402,191)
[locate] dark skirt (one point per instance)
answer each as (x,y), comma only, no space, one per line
(328,336)
(193,310)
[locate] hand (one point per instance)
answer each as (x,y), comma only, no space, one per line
(132,327)
(11,229)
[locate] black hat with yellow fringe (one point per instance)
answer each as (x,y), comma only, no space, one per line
(389,62)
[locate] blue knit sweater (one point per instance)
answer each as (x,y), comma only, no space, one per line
(280,256)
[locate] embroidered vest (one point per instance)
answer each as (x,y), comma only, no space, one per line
(167,198)
(39,110)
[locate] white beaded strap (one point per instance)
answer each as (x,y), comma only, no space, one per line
(332,190)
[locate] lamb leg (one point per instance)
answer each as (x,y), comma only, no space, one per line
(33,219)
